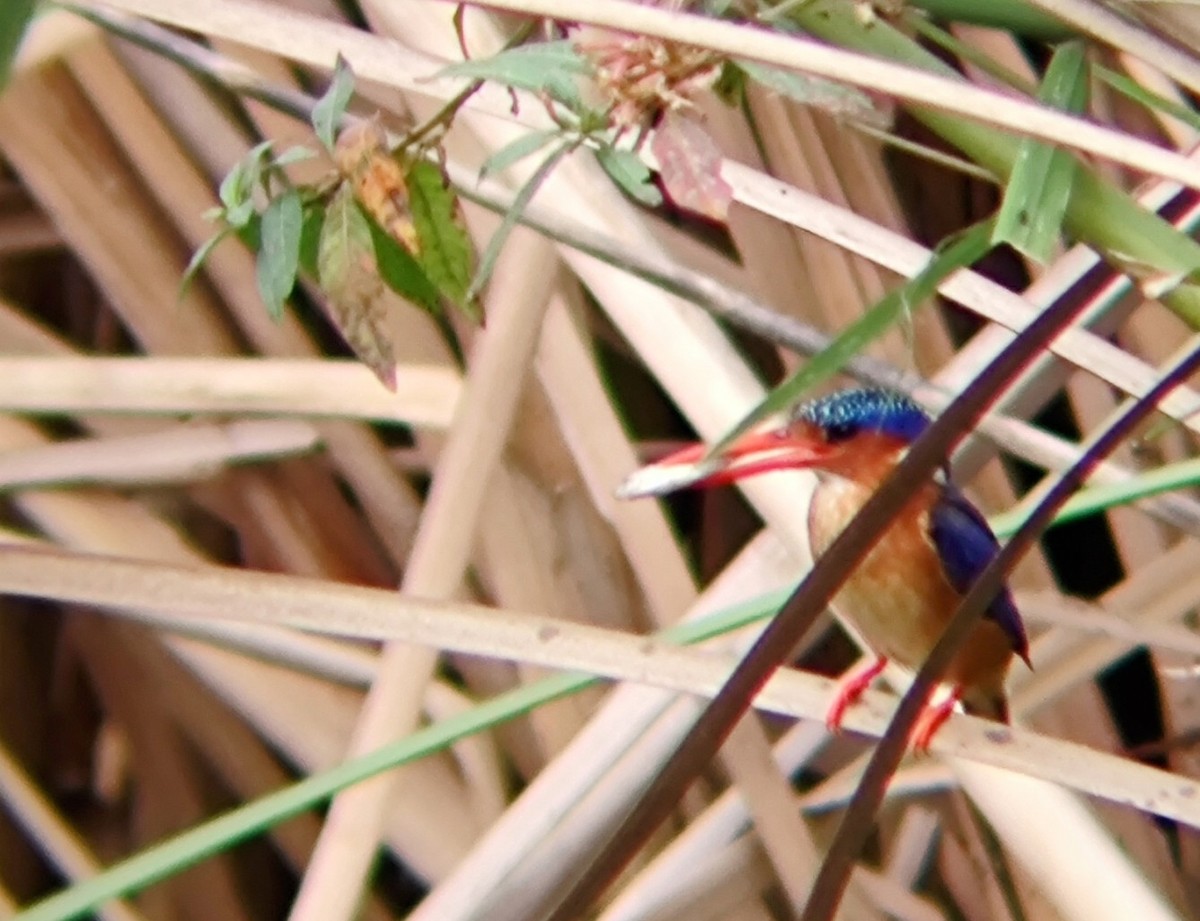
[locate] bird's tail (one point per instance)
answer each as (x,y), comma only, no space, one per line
(989,704)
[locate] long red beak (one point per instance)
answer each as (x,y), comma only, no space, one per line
(756,452)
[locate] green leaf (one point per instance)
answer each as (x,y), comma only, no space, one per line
(487,261)
(237,188)
(15,17)
(401,272)
(958,251)
(540,67)
(836,98)
(310,238)
(199,257)
(631,174)
(444,251)
(279,255)
(1039,187)
(516,151)
(329,109)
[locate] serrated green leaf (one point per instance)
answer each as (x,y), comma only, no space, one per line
(629,172)
(1039,187)
(516,151)
(199,257)
(402,273)
(444,249)
(963,249)
(487,262)
(279,255)
(837,98)
(328,111)
(15,16)
(540,67)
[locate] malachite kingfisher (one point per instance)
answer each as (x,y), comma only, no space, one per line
(905,591)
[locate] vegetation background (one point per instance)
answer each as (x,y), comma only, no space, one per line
(211,491)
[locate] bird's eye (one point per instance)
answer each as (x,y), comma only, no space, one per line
(840,431)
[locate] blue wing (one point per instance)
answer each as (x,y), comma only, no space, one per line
(965,545)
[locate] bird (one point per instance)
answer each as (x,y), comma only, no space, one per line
(904,592)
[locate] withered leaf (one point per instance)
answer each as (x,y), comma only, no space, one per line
(689,162)
(349,275)
(363,158)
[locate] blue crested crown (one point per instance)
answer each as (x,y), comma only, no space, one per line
(844,414)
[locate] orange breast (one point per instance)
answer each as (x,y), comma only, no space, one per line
(899,599)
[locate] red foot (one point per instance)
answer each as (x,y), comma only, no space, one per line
(930,721)
(850,688)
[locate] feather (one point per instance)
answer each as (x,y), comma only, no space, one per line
(965,545)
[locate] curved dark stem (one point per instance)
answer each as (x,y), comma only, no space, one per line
(860,813)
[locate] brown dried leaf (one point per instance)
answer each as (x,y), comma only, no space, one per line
(350,277)
(689,162)
(363,158)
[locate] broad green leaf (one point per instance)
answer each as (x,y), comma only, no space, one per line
(631,174)
(540,67)
(237,188)
(402,273)
(279,255)
(958,251)
(1039,187)
(516,151)
(487,262)
(329,109)
(444,249)
(15,16)
(835,98)
(310,238)
(349,275)
(199,257)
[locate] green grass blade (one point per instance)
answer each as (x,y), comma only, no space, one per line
(958,251)
(1097,499)
(1039,187)
(1014,15)
(487,262)
(1139,94)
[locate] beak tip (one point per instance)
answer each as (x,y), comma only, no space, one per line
(660,479)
